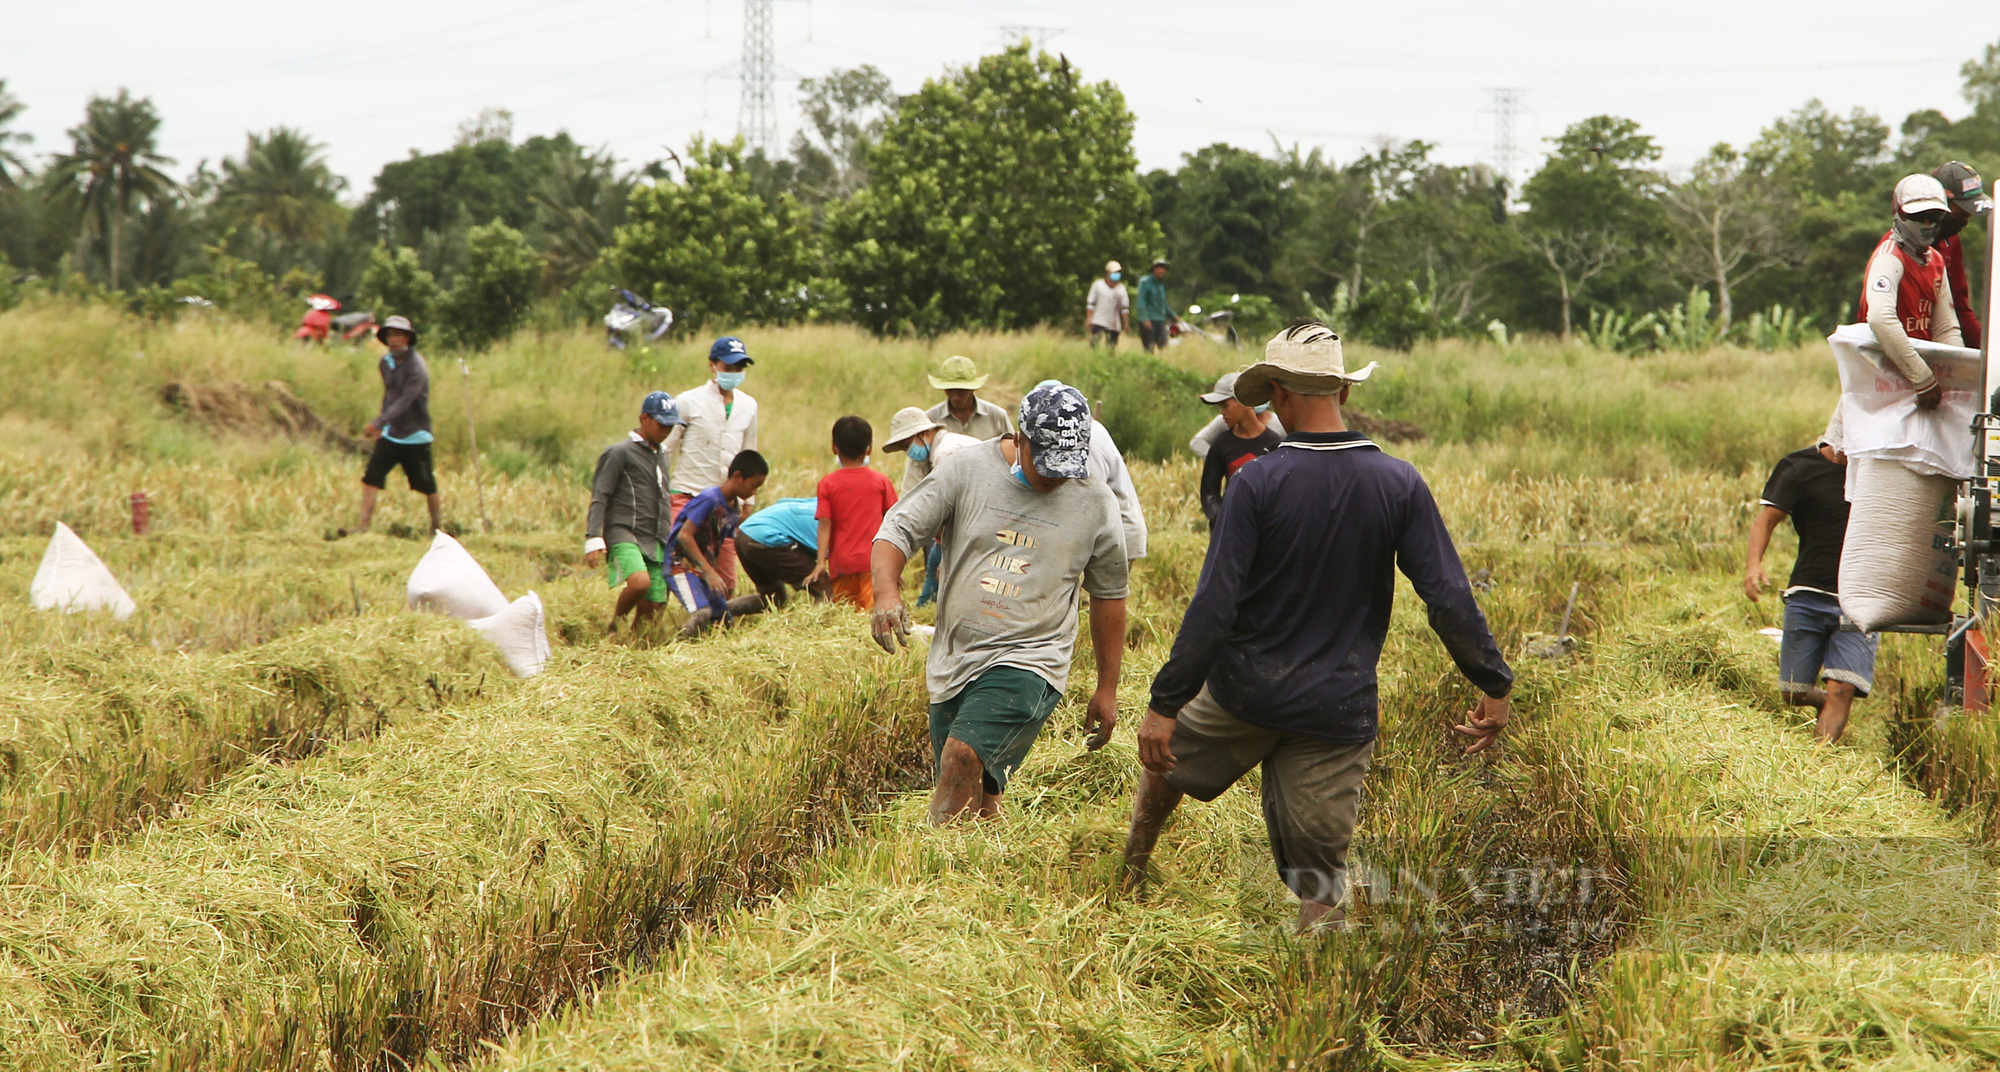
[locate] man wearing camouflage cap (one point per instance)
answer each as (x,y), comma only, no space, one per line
(1026,527)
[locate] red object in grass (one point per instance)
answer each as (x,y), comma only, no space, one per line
(315,326)
(142,514)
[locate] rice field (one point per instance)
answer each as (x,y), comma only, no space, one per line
(275,820)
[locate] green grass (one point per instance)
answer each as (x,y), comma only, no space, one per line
(253,829)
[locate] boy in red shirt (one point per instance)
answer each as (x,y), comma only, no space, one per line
(852,500)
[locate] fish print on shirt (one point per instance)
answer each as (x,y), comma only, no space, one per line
(1006,564)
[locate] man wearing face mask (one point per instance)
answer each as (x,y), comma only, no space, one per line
(721,422)
(1026,529)
(1905,296)
(1967,195)
(1107,307)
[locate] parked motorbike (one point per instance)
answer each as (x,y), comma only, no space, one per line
(1217,326)
(318,319)
(631,312)
(357,326)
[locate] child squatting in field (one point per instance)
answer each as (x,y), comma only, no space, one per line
(628,513)
(700,532)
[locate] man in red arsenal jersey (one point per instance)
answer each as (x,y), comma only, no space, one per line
(1967,195)
(1904,295)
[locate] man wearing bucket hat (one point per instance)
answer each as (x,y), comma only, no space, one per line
(721,423)
(1275,660)
(628,513)
(928,443)
(1904,295)
(1024,531)
(1107,307)
(1966,194)
(402,428)
(962,410)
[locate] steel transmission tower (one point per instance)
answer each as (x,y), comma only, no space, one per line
(1037,36)
(1506,108)
(757,116)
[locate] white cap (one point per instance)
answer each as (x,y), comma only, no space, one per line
(1114,266)
(908,423)
(1919,193)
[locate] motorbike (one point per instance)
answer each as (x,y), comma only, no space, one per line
(318,320)
(1217,326)
(631,312)
(355,327)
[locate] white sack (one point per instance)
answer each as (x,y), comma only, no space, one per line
(517,631)
(73,578)
(450,581)
(1897,566)
(1878,411)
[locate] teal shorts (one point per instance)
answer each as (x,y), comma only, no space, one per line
(998,716)
(622,560)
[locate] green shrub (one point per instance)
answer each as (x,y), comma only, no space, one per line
(494,292)
(396,284)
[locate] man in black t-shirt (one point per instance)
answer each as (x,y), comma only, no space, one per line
(1810,486)
(1245,440)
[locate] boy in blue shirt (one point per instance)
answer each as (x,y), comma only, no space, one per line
(778,547)
(704,526)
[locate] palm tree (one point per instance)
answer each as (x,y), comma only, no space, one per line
(283,186)
(12,167)
(113,160)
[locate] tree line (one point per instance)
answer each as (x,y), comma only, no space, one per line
(987,199)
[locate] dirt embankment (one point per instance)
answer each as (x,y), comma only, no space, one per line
(265,410)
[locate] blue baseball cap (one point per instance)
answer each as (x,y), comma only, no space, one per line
(730,351)
(662,408)
(1055,418)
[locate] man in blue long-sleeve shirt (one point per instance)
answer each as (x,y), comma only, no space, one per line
(1275,661)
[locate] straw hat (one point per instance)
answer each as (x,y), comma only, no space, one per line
(908,423)
(1307,355)
(958,374)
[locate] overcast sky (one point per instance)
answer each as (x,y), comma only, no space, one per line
(374,79)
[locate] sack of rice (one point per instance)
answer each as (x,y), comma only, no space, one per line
(72,578)
(450,581)
(1897,566)
(519,634)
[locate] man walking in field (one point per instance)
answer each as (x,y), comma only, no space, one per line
(402,428)
(1965,191)
(1153,311)
(1025,529)
(1275,660)
(628,513)
(721,423)
(1107,307)
(962,410)
(1810,487)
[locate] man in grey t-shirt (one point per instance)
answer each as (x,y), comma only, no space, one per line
(1026,528)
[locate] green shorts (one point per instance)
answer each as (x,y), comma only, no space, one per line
(998,716)
(623,560)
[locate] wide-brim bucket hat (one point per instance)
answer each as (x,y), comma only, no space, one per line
(908,423)
(1308,355)
(958,374)
(396,323)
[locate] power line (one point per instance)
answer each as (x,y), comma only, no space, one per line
(1038,36)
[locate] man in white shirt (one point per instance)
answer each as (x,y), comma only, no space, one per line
(1108,306)
(721,421)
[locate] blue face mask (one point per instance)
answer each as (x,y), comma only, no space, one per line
(1021,477)
(1116,276)
(920,452)
(1263,409)
(729,381)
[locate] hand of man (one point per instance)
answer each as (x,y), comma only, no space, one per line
(714,581)
(1100,717)
(1755,580)
(1156,736)
(889,624)
(593,559)
(369,431)
(819,570)
(1484,722)
(1929,399)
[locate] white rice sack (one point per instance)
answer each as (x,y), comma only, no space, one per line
(72,578)
(1897,566)
(1878,414)
(518,632)
(448,580)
